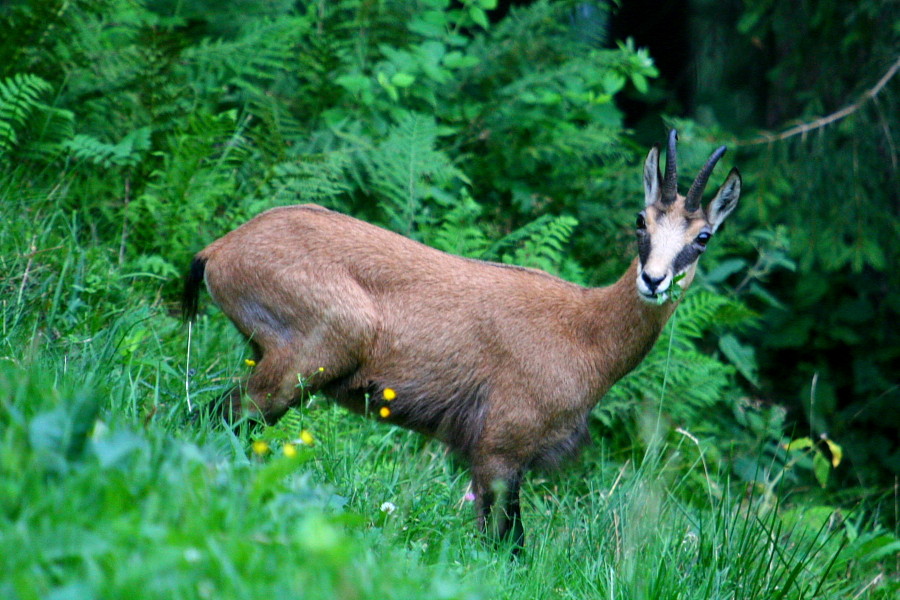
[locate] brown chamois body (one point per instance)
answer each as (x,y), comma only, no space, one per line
(502,363)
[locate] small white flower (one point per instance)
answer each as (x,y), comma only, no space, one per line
(192,555)
(388,507)
(100,430)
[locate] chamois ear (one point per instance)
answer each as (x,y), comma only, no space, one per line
(726,199)
(652,177)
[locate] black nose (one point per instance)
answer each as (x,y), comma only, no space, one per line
(652,282)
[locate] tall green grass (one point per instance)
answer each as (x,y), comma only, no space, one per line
(111,486)
(97,504)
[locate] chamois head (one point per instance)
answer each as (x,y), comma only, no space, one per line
(673,230)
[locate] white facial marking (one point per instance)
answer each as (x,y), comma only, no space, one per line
(667,240)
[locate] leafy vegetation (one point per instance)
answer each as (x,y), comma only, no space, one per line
(826,168)
(132,133)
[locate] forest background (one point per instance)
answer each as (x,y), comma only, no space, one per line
(133,133)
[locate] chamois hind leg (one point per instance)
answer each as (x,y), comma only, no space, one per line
(285,374)
(274,385)
(496,484)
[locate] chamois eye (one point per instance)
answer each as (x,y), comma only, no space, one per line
(703,238)
(640,222)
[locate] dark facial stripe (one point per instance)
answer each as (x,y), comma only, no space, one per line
(684,259)
(643,247)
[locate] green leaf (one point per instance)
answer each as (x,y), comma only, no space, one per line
(354,83)
(613,82)
(429,24)
(821,468)
(749,20)
(270,479)
(803,443)
(479,16)
(742,356)
(113,450)
(640,82)
(725,269)
(403,80)
(877,548)
(837,453)
(766,296)
(458,60)
(60,435)
(382,80)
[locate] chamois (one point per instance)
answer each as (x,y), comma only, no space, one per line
(502,363)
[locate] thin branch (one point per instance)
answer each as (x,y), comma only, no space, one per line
(887,134)
(803,128)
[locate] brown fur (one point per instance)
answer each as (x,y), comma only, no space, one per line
(502,363)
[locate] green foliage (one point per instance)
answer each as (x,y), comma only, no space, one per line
(187,189)
(100,506)
(680,381)
(317,178)
(821,80)
(459,230)
(541,244)
(409,176)
(132,134)
(29,128)
(125,153)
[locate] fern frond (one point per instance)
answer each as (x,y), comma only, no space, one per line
(291,423)
(26,123)
(457,231)
(258,55)
(686,382)
(540,244)
(193,188)
(546,248)
(278,134)
(19,98)
(698,311)
(518,236)
(50,129)
(406,170)
(701,309)
(319,178)
(127,152)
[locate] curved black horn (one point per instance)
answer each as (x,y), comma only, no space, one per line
(670,182)
(692,201)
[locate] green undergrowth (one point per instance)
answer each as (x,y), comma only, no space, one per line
(116,481)
(134,133)
(98,501)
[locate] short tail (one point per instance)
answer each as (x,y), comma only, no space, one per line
(190,299)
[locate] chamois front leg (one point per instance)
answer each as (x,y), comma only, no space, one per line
(497,505)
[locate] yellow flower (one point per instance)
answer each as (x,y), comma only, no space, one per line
(385,412)
(249,362)
(389,394)
(306,437)
(321,369)
(260,447)
(289,450)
